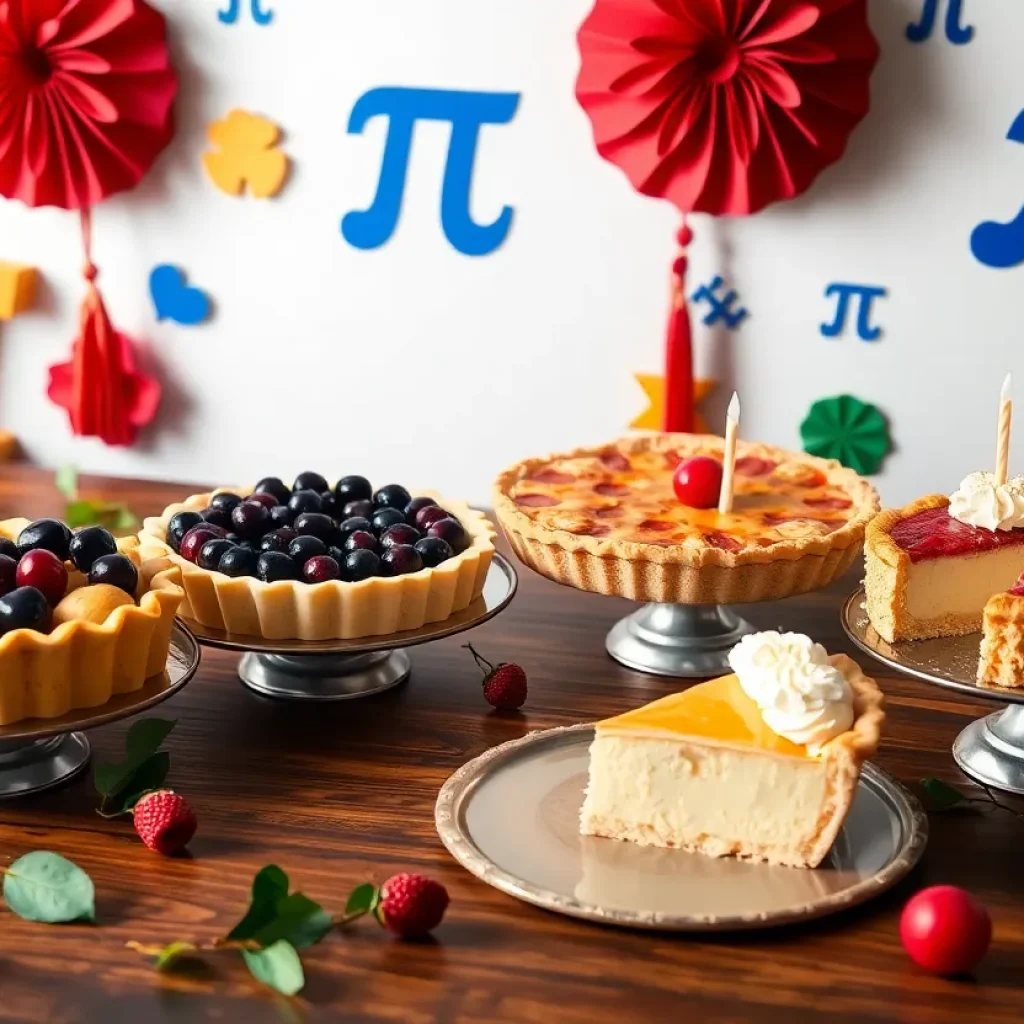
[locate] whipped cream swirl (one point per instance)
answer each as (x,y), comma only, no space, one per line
(979,502)
(800,695)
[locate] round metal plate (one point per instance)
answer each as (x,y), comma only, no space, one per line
(499,589)
(511,817)
(182,662)
(949,661)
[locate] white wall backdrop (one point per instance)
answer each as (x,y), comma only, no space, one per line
(413,362)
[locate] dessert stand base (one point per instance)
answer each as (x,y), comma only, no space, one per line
(990,750)
(691,641)
(40,753)
(334,670)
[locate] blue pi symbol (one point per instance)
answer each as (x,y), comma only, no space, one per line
(721,306)
(1002,245)
(956,33)
(231,15)
(864,294)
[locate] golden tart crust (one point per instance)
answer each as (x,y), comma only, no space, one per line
(610,522)
(1001,662)
(84,664)
(291,610)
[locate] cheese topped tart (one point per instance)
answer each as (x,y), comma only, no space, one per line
(607,519)
(762,764)
(932,566)
(1002,641)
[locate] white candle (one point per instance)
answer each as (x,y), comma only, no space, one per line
(732,425)
(1005,422)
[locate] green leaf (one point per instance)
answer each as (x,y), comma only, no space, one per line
(66,481)
(941,795)
(44,886)
(300,920)
(171,954)
(268,887)
(146,736)
(278,966)
(121,783)
(83,512)
(362,899)
(80,513)
(144,779)
(122,518)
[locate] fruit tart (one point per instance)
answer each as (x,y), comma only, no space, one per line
(82,618)
(315,562)
(638,518)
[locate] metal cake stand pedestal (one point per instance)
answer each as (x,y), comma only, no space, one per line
(990,750)
(332,670)
(691,641)
(40,753)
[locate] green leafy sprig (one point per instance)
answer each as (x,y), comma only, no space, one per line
(81,511)
(121,784)
(44,886)
(941,796)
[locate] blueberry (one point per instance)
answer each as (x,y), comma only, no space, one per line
(274,486)
(315,524)
(116,571)
(392,496)
(9,548)
(363,508)
(360,565)
(277,540)
(349,526)
(250,520)
(414,506)
(268,501)
(273,566)
(212,552)
(233,537)
(90,543)
(304,501)
(330,505)
(310,482)
(384,518)
(238,561)
(49,534)
(9,574)
(399,560)
(24,608)
(450,530)
(336,553)
(217,517)
(179,525)
(282,515)
(433,551)
(320,569)
(401,533)
(302,549)
(196,538)
(360,540)
(353,488)
(225,501)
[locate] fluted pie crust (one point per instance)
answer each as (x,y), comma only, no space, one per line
(1001,662)
(84,664)
(693,571)
(292,610)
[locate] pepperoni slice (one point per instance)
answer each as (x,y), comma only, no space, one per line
(594,530)
(657,526)
(829,503)
(552,476)
(606,513)
(723,541)
(751,465)
(611,490)
(615,460)
(672,459)
(536,501)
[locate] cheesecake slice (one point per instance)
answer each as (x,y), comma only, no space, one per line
(703,770)
(1002,642)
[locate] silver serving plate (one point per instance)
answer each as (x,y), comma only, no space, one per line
(511,817)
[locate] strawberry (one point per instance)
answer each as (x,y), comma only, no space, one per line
(164,821)
(411,906)
(504,684)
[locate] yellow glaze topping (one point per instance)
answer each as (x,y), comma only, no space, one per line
(718,710)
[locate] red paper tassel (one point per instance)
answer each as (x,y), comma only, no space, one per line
(679,410)
(104,394)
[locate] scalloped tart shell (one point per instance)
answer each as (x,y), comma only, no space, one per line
(83,664)
(291,610)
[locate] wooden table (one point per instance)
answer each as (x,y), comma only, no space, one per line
(339,794)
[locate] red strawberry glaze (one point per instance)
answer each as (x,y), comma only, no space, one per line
(612,490)
(934,533)
(536,501)
(832,503)
(1018,588)
(751,465)
(552,476)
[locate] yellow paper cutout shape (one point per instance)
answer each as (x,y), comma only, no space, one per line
(653,416)
(17,289)
(247,155)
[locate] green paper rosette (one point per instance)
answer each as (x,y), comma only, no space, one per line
(849,430)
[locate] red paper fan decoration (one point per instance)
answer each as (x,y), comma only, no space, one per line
(723,106)
(86,90)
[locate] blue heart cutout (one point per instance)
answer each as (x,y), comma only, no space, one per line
(174,299)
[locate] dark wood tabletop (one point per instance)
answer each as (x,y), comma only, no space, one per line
(344,793)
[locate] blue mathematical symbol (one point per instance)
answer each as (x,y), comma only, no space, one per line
(1002,245)
(865,294)
(721,306)
(956,33)
(231,15)
(466,112)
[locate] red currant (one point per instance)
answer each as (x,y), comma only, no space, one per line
(945,929)
(698,481)
(43,570)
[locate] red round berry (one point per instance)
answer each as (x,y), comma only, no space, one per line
(698,481)
(197,537)
(945,930)
(267,500)
(43,570)
(411,906)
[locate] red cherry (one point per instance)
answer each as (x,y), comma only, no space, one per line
(43,570)
(267,500)
(196,538)
(698,481)
(945,930)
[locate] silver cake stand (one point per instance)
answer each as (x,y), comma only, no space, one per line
(331,670)
(41,753)
(990,750)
